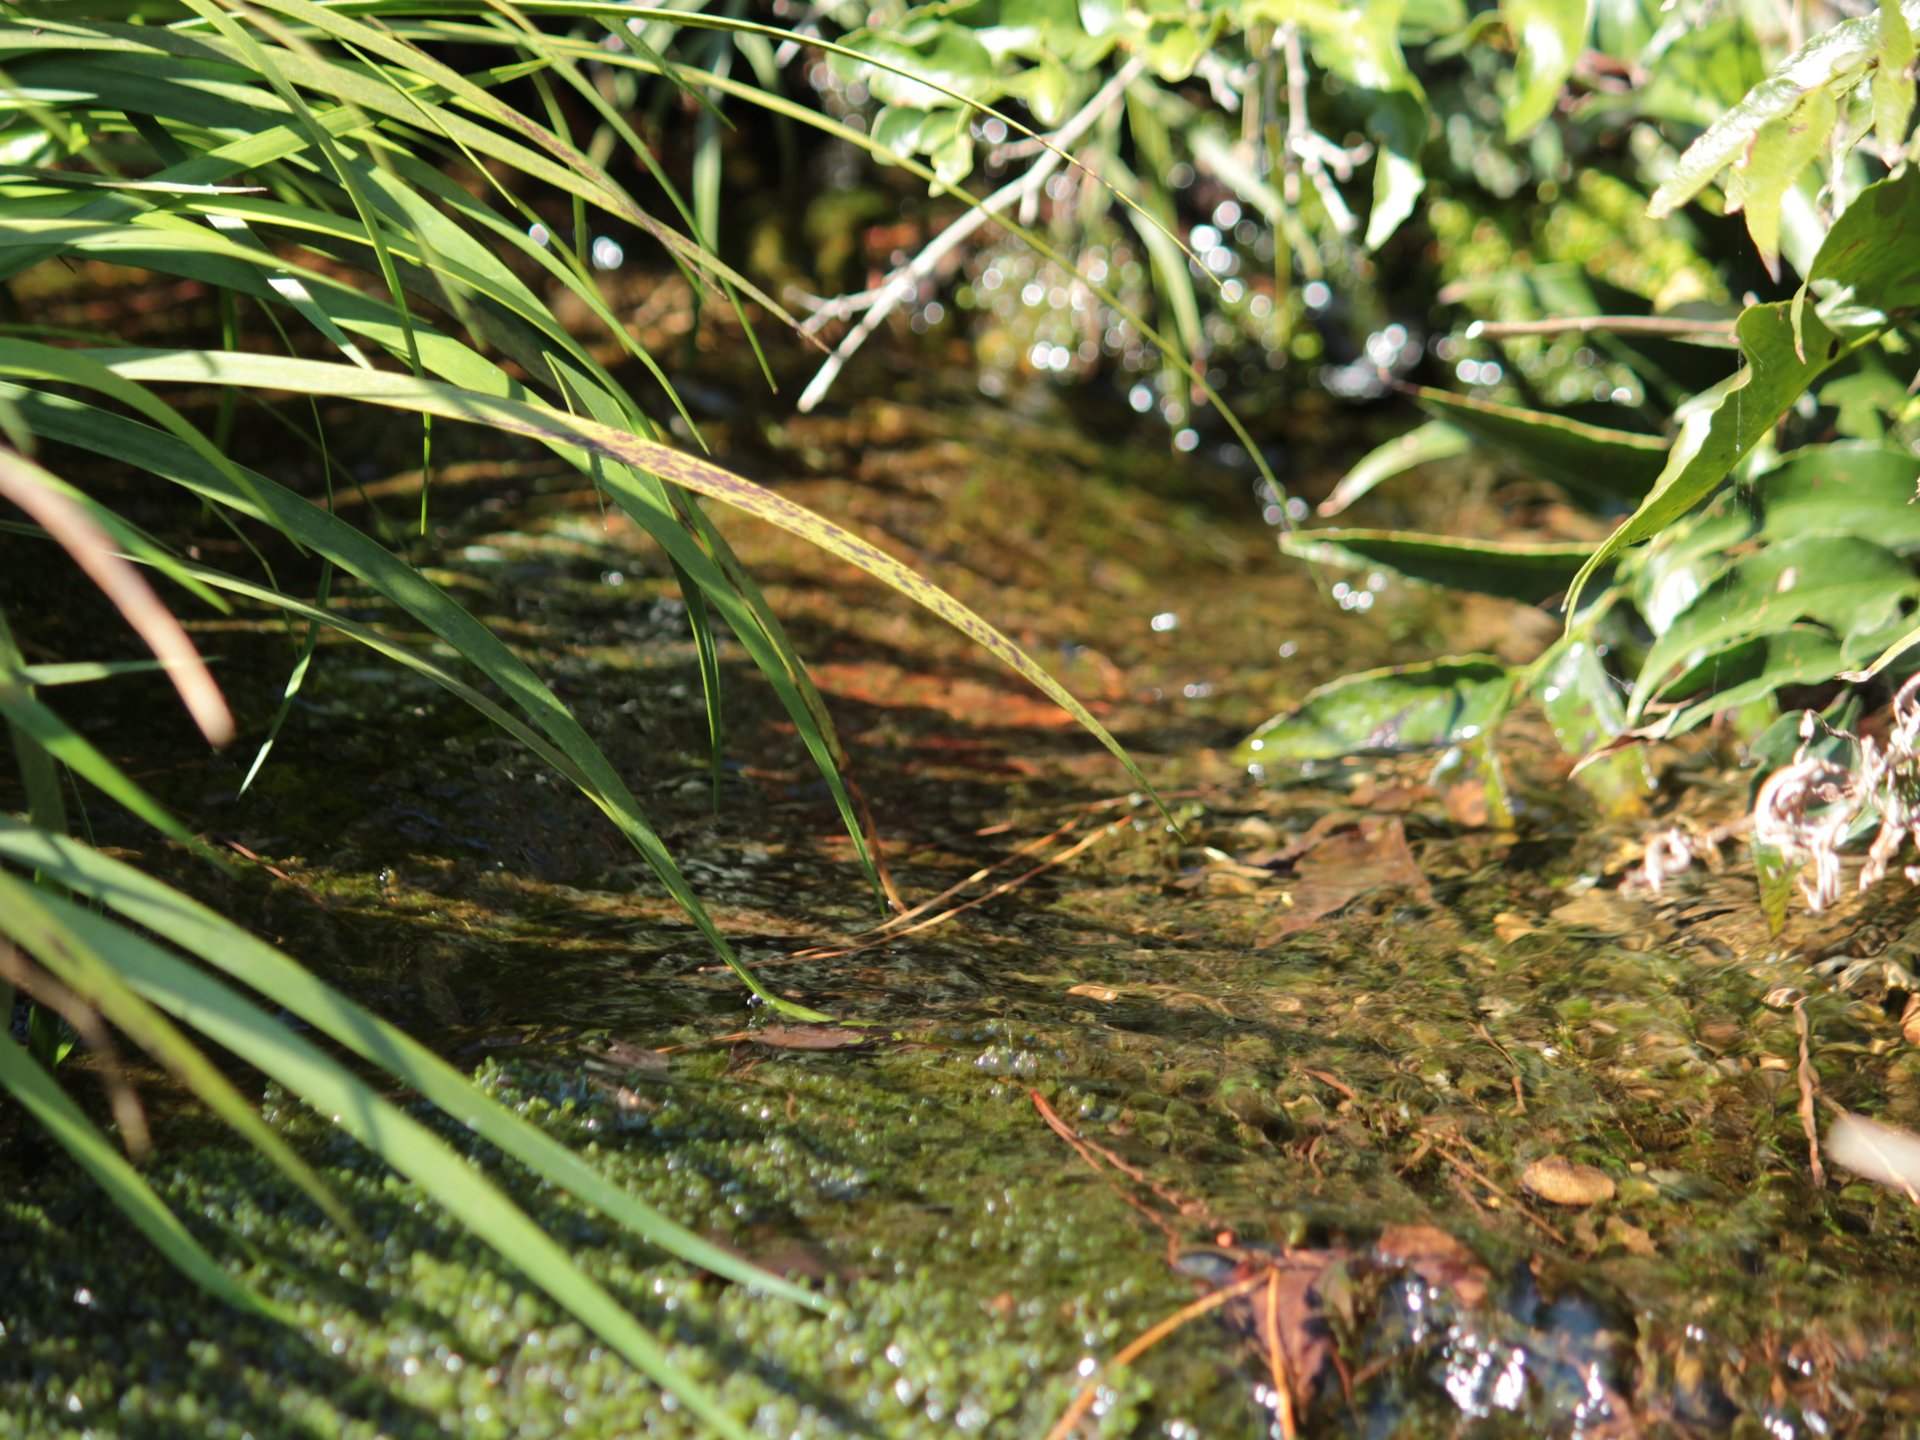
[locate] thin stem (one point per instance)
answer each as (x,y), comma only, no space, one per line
(1303,144)
(904,283)
(1675,325)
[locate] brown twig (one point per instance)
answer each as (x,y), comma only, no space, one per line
(1083,1402)
(1093,1153)
(1479,1177)
(1809,1089)
(892,934)
(1277,1366)
(1670,325)
(33,490)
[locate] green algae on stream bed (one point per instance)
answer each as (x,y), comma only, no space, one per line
(1394,1064)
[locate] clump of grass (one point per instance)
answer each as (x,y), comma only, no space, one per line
(296,160)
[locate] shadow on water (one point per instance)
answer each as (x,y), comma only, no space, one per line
(1297,1099)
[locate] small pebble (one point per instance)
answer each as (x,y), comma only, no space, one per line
(1562,1182)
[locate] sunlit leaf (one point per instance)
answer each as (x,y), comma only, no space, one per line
(1582,703)
(1435,440)
(1751,670)
(1739,413)
(1547,38)
(1529,572)
(1590,459)
(1847,584)
(1363,47)
(574,433)
(951,56)
(1398,123)
(1893,82)
(1868,255)
(1841,489)
(1385,712)
(1826,59)
(1770,165)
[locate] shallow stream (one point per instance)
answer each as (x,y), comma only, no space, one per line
(1307,1046)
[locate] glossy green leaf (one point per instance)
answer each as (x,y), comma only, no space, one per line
(1548,36)
(1398,123)
(1893,83)
(950,56)
(1717,434)
(1693,552)
(1363,47)
(1529,572)
(1435,440)
(1751,670)
(1867,259)
(1841,489)
(1846,584)
(1827,58)
(1769,167)
(1582,703)
(1385,712)
(1589,459)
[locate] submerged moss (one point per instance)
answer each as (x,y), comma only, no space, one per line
(1392,1064)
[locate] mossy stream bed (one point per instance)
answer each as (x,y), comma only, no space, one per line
(1347,1100)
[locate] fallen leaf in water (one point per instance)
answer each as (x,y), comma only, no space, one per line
(1258,831)
(1227,877)
(1510,927)
(626,1100)
(1343,865)
(1563,1182)
(813,1037)
(628,1056)
(1437,1258)
(1910,1020)
(1105,994)
(1467,804)
(1606,913)
(1630,1238)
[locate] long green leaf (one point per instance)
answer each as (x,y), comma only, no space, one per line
(196,998)
(200,932)
(1715,437)
(21,1077)
(1435,440)
(34,922)
(32,717)
(573,751)
(540,422)
(1529,572)
(1787,346)
(1849,584)
(1589,459)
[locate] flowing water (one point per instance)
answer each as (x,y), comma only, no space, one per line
(1298,1054)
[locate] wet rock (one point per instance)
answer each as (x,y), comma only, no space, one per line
(1559,1180)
